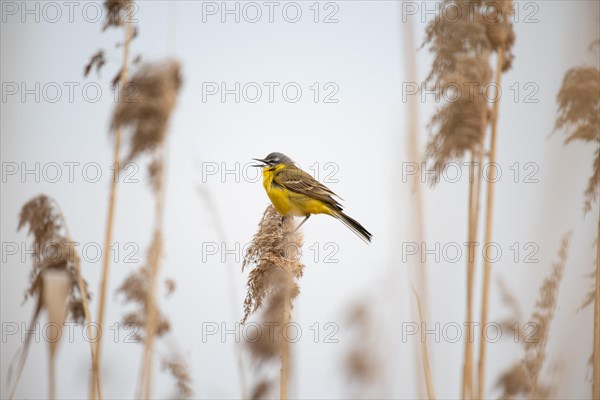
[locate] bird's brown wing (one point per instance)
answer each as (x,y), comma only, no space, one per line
(296,180)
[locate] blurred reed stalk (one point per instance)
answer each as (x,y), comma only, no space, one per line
(55,291)
(231,283)
(155,256)
(285,344)
(472,227)
(425,355)
(86,310)
(488,230)
(414,156)
(129,32)
(596,351)
(501,36)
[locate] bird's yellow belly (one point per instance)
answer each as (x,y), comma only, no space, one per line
(294,204)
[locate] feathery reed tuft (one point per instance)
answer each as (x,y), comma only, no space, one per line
(96,60)
(156,87)
(55,280)
(462,39)
(179,371)
(590,296)
(261,390)
(362,363)
(516,315)
(459,125)
(53,250)
(135,290)
(579,113)
(469,28)
(497,17)
(116,13)
(460,31)
(523,378)
(275,253)
(270,252)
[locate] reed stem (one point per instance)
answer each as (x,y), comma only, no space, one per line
(287,304)
(151,306)
(285,353)
(473,219)
(96,387)
(51,376)
(425,354)
(419,275)
(596,353)
(110,217)
(488,230)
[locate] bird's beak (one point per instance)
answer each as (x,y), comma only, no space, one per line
(261,161)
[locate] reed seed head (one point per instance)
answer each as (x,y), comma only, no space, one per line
(275,254)
(579,115)
(53,250)
(179,370)
(135,290)
(147,108)
(523,378)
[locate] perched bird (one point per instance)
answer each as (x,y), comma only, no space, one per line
(293,192)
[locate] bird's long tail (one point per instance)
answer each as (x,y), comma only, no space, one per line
(354,226)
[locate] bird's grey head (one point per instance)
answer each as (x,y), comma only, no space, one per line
(275,159)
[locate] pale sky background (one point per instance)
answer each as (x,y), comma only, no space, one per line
(364,135)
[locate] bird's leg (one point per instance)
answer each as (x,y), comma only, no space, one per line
(303,221)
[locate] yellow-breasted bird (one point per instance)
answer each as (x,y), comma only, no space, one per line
(293,192)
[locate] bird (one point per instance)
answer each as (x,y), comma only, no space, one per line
(294,192)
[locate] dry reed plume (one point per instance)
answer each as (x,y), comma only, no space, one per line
(274,254)
(363,364)
(97,60)
(523,378)
(179,370)
(462,44)
(55,280)
(157,86)
(510,301)
(135,291)
(579,115)
(458,126)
